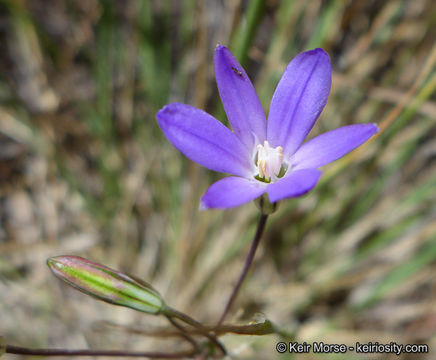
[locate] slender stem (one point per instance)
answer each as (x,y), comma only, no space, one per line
(248,261)
(10,349)
(170,312)
(251,329)
(184,334)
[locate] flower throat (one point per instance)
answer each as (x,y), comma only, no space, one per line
(269,162)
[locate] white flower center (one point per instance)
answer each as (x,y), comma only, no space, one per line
(269,160)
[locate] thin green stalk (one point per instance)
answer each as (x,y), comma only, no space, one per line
(247,264)
(173,313)
(263,328)
(10,349)
(184,334)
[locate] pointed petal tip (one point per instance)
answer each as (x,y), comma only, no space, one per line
(371,128)
(169,107)
(223,54)
(166,108)
(319,51)
(316,52)
(220,47)
(203,206)
(207,204)
(322,56)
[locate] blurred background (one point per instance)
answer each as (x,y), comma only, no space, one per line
(85,170)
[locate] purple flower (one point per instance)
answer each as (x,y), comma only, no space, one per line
(263,156)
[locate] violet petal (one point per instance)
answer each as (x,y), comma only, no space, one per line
(232,191)
(239,98)
(298,99)
(331,145)
(203,139)
(295,184)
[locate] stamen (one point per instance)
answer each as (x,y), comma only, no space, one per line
(269,160)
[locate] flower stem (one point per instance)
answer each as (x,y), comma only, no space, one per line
(173,313)
(248,261)
(10,349)
(184,334)
(263,328)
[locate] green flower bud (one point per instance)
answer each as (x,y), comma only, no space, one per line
(106,284)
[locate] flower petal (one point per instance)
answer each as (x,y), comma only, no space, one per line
(298,99)
(239,98)
(203,139)
(295,184)
(331,145)
(232,191)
